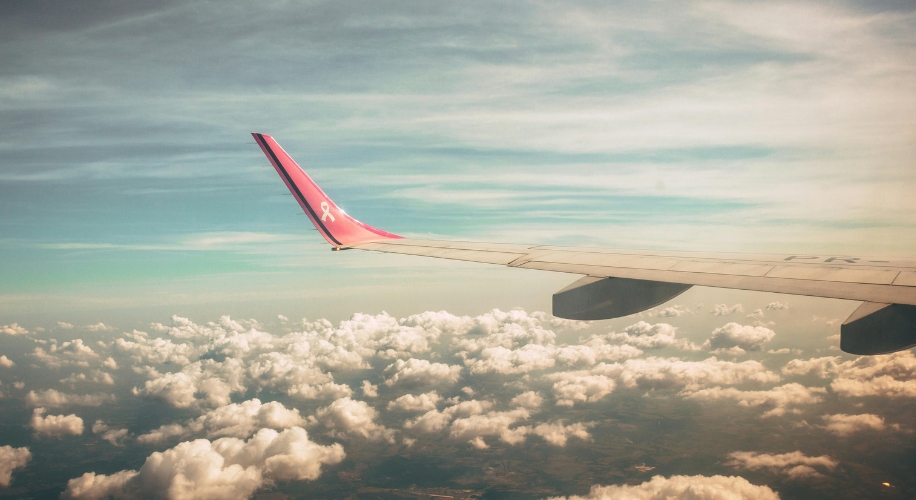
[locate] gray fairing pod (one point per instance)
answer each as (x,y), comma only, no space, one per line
(593,298)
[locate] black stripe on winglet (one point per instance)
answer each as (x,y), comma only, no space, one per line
(298,193)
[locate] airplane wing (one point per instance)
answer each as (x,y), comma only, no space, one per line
(617,283)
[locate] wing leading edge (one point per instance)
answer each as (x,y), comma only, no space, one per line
(621,282)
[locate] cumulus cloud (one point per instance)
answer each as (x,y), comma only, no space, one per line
(731,351)
(233,420)
(777,306)
(671,312)
(163,433)
(693,487)
(648,336)
(225,468)
(369,390)
(144,349)
(113,436)
(348,417)
(475,428)
(511,330)
(508,361)
(570,388)
(795,465)
(10,460)
(64,326)
(95,376)
(13,329)
(529,399)
(748,338)
(6,362)
(70,353)
(891,375)
(557,434)
(434,421)
(421,402)
(55,425)
(778,398)
(845,425)
(421,372)
(52,398)
(725,310)
(756,314)
(100,327)
(214,381)
(653,373)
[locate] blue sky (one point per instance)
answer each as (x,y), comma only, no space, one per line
(128,179)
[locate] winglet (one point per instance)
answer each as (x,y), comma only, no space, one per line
(341,230)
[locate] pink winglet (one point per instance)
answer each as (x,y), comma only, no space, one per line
(334,224)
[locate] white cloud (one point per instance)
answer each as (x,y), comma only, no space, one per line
(671,312)
(13,329)
(421,372)
(508,361)
(795,465)
(724,310)
(225,468)
(822,367)
(756,314)
(784,350)
(732,351)
(6,362)
(349,417)
(692,487)
(777,306)
(10,460)
(96,376)
(653,373)
(474,428)
(54,399)
(233,420)
(113,436)
(55,425)
(749,338)
(73,352)
(890,375)
(99,327)
(143,349)
(64,325)
(779,398)
(421,402)
(434,421)
(557,434)
(570,388)
(163,433)
(510,330)
(213,381)
(369,390)
(844,425)
(648,336)
(529,399)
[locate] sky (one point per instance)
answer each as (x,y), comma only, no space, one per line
(133,199)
